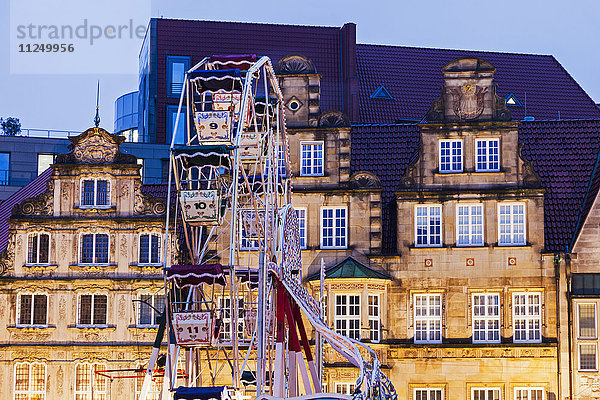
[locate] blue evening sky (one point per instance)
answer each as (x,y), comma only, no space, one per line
(569,30)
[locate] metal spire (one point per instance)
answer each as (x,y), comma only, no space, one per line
(97,117)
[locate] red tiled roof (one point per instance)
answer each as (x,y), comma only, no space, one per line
(563,153)
(412,76)
(32,189)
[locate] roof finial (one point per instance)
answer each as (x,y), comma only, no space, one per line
(97,117)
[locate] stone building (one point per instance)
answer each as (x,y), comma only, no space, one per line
(80,255)
(446,230)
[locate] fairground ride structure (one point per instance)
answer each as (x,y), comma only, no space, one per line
(234,308)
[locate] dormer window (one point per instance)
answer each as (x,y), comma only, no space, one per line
(95,193)
(488,155)
(451,156)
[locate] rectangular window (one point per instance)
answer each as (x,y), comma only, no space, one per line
(486,318)
(92,310)
(301,214)
(150,307)
(488,155)
(428,226)
(95,193)
(30,381)
(225,311)
(511,224)
(44,161)
(587,357)
(333,228)
(428,318)
(281,170)
(176,69)
(150,249)
(4,169)
(527,317)
(346,388)
(488,393)
(38,248)
(33,309)
(429,394)
(374,318)
(586,320)
(88,383)
(529,393)
(180,135)
(311,159)
(94,248)
(347,315)
(469,227)
(451,156)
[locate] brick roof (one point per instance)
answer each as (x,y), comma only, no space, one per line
(412,76)
(563,153)
(32,189)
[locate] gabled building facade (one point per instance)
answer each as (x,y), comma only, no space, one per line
(82,276)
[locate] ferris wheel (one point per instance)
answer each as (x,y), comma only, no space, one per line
(234,307)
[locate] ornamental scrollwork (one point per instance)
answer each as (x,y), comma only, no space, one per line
(41,205)
(145,204)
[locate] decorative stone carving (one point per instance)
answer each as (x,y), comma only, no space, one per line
(122,305)
(95,146)
(147,205)
(333,119)
(294,64)
(364,180)
(60,377)
(467,101)
(42,204)
(62,308)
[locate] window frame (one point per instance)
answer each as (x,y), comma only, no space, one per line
(37,253)
(334,228)
(470,226)
(347,387)
(527,318)
(428,390)
(95,203)
(92,310)
(347,317)
(5,181)
(226,335)
(487,389)
(428,318)
(170,120)
(529,389)
(303,238)
(429,225)
(579,353)
(154,315)
(30,393)
(512,224)
(452,170)
(486,318)
(579,336)
(313,165)
(39,172)
(186,61)
(94,255)
(91,376)
(374,319)
(20,323)
(160,243)
(486,155)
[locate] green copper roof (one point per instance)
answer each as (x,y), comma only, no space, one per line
(350,268)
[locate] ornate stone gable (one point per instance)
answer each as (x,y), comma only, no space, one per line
(41,205)
(96,146)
